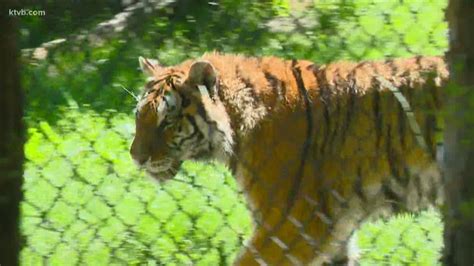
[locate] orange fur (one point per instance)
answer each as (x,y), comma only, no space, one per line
(361,159)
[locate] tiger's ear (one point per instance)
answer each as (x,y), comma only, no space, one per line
(148,66)
(203,73)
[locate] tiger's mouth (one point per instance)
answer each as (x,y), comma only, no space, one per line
(161,176)
(161,170)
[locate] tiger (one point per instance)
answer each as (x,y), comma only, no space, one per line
(316,149)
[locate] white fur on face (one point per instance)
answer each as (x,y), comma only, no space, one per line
(159,166)
(223,135)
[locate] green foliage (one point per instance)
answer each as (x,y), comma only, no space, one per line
(282,7)
(85,202)
(357,30)
(402,240)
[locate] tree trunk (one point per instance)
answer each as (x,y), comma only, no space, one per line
(459,144)
(11,138)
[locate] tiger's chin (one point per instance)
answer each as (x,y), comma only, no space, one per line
(162,176)
(161,173)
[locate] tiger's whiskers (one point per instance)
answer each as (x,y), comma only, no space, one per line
(128,91)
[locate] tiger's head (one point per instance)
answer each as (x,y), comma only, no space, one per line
(179,117)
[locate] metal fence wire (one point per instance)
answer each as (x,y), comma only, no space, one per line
(366,146)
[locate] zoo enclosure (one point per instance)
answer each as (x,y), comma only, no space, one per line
(84,201)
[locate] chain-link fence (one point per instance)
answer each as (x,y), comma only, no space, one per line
(85,203)
(352,156)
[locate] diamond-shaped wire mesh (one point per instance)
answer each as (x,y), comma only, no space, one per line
(357,157)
